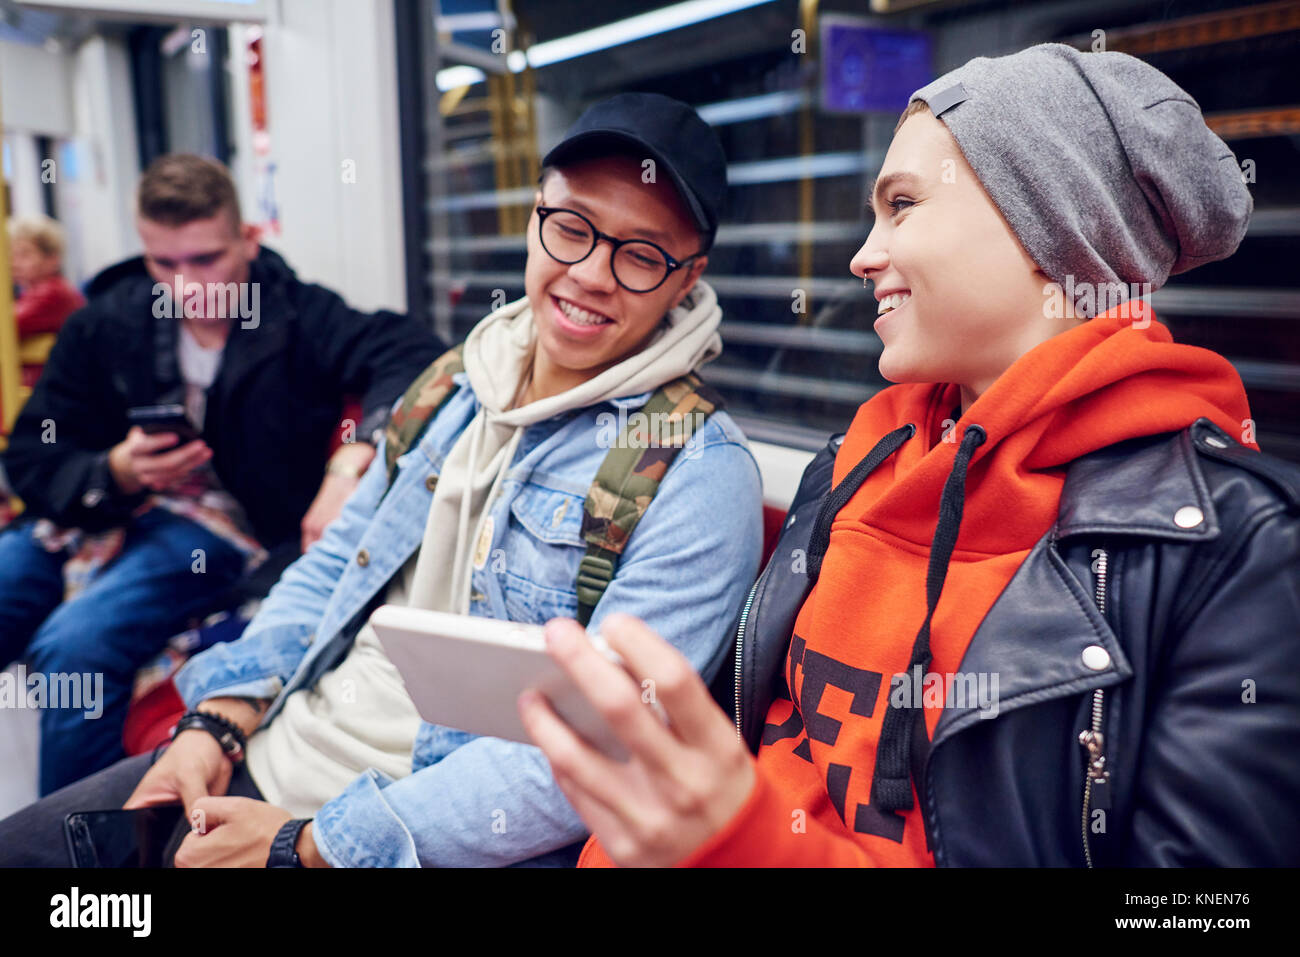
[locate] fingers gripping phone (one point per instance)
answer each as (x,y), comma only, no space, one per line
(154,419)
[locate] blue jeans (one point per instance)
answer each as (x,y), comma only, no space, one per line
(121,620)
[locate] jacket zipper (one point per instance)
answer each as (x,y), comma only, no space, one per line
(740,644)
(1091,739)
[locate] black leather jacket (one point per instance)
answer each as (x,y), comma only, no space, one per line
(1191,544)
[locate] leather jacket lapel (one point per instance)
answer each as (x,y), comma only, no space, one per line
(1152,487)
(1034,635)
(1033,639)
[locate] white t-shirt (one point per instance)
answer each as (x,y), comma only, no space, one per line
(199,366)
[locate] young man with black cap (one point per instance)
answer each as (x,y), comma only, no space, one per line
(499,491)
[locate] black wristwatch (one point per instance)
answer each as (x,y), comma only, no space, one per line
(284,849)
(228,734)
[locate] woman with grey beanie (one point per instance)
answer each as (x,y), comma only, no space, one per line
(1038,607)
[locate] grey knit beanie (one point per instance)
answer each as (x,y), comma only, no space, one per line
(1101,164)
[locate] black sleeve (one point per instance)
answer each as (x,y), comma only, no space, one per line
(57,460)
(1220,775)
(769,619)
(375,355)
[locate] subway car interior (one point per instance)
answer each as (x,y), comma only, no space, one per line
(390,151)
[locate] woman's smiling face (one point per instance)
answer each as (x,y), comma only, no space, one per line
(587,322)
(960,299)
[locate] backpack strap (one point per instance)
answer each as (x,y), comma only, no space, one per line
(629,477)
(420,404)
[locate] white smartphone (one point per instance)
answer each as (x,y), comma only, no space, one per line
(467,672)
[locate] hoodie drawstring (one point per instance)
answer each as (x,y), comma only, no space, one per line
(891,786)
(839,496)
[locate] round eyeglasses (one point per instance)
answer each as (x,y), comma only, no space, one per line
(638,265)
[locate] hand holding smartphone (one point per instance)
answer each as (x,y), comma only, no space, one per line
(156,419)
(142,461)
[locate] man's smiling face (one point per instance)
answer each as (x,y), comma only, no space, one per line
(959,297)
(586,322)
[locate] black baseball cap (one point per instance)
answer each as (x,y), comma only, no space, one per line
(665,130)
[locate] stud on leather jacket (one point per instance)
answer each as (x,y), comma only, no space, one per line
(1148,651)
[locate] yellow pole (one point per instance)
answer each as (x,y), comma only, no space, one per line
(807,123)
(500,145)
(528,146)
(510,130)
(9,370)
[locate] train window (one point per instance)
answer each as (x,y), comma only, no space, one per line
(799,350)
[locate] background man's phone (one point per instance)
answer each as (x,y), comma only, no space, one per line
(154,419)
(118,838)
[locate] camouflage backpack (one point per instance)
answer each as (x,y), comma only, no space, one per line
(626,481)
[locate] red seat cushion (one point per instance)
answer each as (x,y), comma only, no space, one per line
(773,519)
(149,720)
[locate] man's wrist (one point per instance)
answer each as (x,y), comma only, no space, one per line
(308,852)
(196,735)
(351,459)
(344,470)
(244,712)
(225,732)
(121,471)
(284,846)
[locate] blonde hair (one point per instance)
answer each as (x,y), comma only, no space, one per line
(916,106)
(41,231)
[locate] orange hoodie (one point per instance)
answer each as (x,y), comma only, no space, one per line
(1115,377)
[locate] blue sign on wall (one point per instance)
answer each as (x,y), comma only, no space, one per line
(866,68)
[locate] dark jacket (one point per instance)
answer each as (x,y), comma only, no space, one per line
(270,412)
(1199,704)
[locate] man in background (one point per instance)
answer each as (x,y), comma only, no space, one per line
(130,533)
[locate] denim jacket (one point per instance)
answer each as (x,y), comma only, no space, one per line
(474,800)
